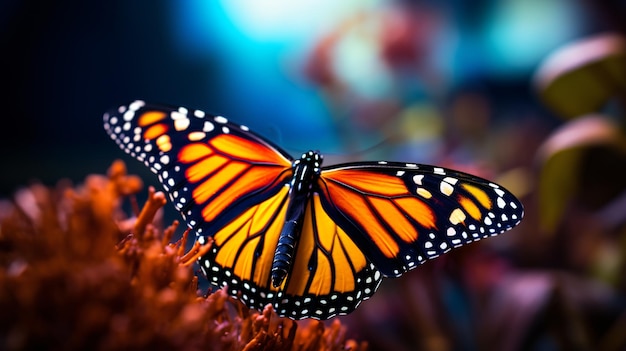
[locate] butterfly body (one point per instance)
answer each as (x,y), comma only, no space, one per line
(306,170)
(312,241)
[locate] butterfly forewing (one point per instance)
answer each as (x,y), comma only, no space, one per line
(212,169)
(403,214)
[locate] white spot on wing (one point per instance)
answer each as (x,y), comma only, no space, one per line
(177,115)
(220,119)
(208,127)
(446,188)
(450,180)
(136,105)
(128,115)
(195,136)
(500,203)
(181,124)
(418,179)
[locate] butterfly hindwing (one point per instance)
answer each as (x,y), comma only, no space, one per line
(242,251)
(330,275)
(403,214)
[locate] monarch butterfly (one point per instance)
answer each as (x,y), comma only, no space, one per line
(312,241)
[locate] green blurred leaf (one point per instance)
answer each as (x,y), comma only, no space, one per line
(560,161)
(583,76)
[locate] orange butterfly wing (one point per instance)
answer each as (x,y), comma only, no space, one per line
(329,275)
(213,170)
(400,214)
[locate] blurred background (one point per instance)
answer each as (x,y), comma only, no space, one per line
(528,93)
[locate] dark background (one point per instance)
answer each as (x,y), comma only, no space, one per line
(64,63)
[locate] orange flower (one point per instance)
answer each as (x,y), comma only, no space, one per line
(76,273)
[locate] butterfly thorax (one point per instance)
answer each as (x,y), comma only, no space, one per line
(306,170)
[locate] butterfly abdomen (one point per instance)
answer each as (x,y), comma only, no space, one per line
(283,256)
(306,170)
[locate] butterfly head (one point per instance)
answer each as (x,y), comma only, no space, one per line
(310,158)
(305,170)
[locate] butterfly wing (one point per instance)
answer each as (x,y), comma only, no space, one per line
(212,169)
(330,275)
(400,214)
